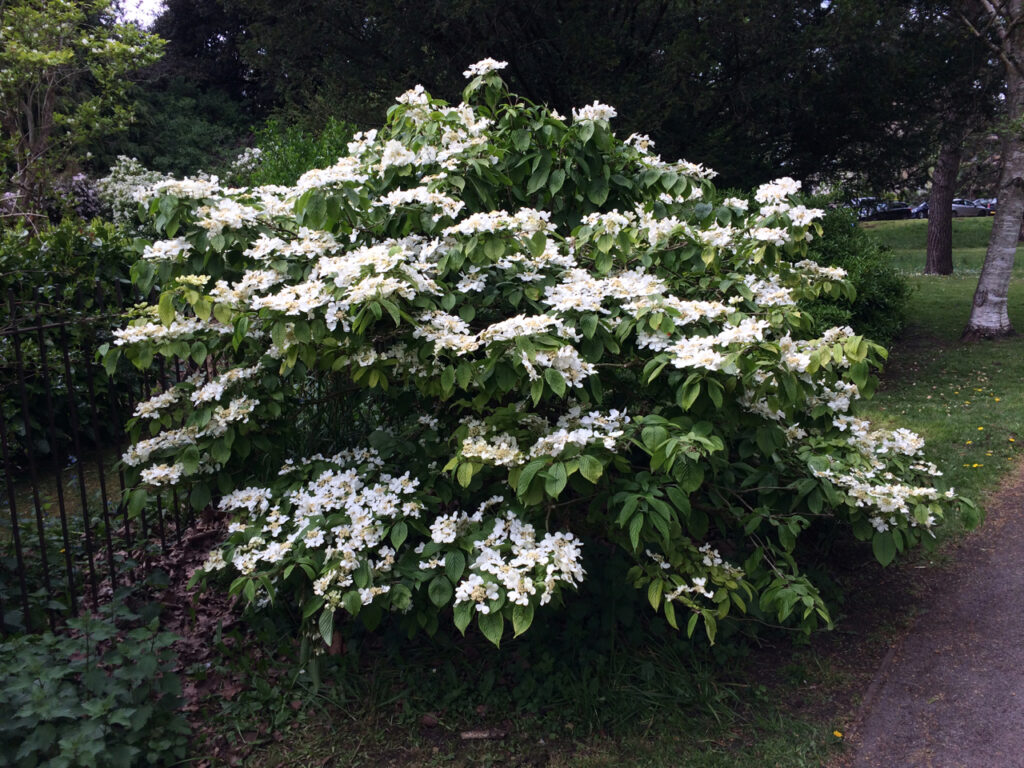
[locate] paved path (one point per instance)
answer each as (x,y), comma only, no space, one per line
(950,694)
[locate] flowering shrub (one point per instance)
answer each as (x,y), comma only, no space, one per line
(548,340)
(118,189)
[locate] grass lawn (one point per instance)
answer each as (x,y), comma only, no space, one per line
(581,697)
(908,240)
(965,399)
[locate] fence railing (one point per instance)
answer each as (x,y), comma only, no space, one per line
(66,538)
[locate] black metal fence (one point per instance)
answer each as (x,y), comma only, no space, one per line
(66,538)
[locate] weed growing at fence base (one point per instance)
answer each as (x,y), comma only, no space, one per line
(103,694)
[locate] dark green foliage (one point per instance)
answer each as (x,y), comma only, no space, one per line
(879,310)
(75,274)
(69,259)
(181,128)
(744,87)
(286,151)
(102,693)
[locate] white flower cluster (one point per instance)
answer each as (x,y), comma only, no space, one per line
(484,67)
(575,428)
(595,111)
(510,560)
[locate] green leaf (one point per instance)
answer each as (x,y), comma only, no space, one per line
(526,476)
(556,180)
(556,479)
(464,375)
(555,380)
(165,307)
(537,243)
(538,179)
(635,526)
(440,591)
(670,615)
(454,565)
(190,460)
(352,602)
(448,379)
(326,626)
(590,468)
(597,192)
(462,614)
(884,547)
(198,352)
(492,625)
(522,618)
(464,474)
(399,531)
(654,593)
(222,312)
(200,497)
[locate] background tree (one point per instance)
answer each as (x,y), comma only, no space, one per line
(196,105)
(1001,25)
(64,85)
(821,90)
(965,96)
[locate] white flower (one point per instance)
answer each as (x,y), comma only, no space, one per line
(595,111)
(483,67)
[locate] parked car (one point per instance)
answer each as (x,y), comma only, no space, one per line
(988,203)
(865,207)
(963,207)
(920,211)
(896,210)
(873,209)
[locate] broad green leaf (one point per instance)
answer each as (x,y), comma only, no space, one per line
(165,308)
(884,547)
(462,614)
(522,618)
(454,565)
(492,625)
(635,526)
(399,531)
(590,467)
(440,591)
(326,626)
(556,479)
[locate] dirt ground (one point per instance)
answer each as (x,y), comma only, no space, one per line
(949,692)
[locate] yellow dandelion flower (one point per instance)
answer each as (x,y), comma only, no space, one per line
(980,429)
(837,734)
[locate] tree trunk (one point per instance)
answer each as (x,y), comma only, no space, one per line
(939,260)
(989,317)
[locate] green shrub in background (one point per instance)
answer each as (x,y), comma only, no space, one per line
(75,272)
(103,694)
(282,152)
(71,258)
(879,309)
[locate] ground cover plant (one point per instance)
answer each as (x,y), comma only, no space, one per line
(541,340)
(104,692)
